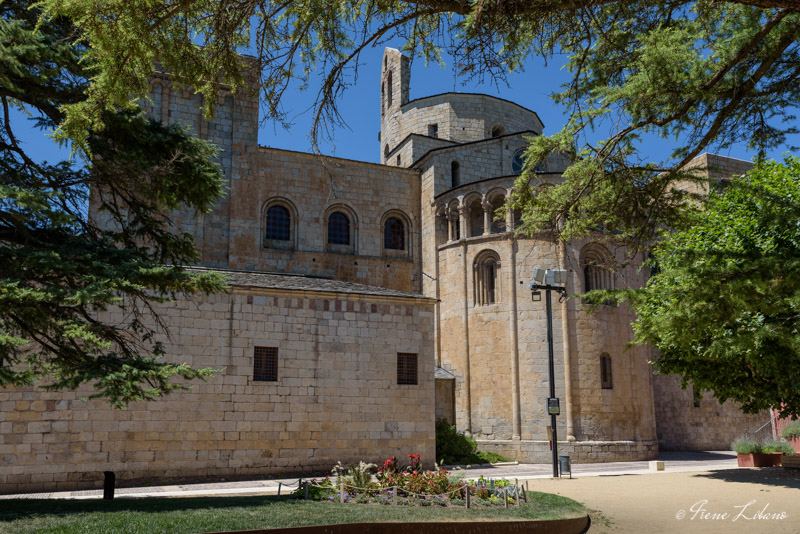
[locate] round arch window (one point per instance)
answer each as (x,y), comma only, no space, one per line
(394,234)
(518,163)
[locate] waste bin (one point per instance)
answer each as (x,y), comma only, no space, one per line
(564,465)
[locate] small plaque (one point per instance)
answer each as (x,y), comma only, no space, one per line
(553,407)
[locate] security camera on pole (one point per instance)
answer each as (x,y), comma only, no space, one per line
(550,280)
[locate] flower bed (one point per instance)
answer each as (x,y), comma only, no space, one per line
(409,486)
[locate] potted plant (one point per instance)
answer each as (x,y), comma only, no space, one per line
(778,449)
(750,453)
(791,433)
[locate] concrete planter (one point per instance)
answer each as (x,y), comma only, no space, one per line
(759,460)
(791,462)
(578,525)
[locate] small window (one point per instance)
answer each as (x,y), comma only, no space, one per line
(389,90)
(265,364)
(278,223)
(433,130)
(485,270)
(595,276)
(696,397)
(398,160)
(498,224)
(455,174)
(338,229)
(406,369)
(606,380)
(394,234)
(497,131)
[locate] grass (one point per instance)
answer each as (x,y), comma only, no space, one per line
(210,514)
(491,457)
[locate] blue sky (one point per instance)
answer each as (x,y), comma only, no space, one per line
(360,108)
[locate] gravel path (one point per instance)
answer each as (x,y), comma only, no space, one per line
(737,500)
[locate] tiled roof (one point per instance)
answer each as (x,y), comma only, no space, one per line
(303,283)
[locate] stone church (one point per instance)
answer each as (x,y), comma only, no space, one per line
(366,301)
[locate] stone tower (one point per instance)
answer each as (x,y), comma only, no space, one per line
(395,80)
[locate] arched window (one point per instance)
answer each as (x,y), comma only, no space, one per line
(497,131)
(498,224)
(596,273)
(475,217)
(279,224)
(338,229)
(485,271)
(386,151)
(606,379)
(455,174)
(394,234)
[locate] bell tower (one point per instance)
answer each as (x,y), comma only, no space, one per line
(395,78)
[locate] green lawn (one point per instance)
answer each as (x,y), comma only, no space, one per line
(208,514)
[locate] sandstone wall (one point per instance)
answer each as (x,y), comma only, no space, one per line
(312,187)
(710,426)
(336,397)
(234,130)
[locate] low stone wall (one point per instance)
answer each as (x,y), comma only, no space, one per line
(586,452)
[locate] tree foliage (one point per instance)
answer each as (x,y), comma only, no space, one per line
(724,310)
(60,268)
(704,74)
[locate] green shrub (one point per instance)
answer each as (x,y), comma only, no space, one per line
(779,446)
(746,446)
(453,447)
(791,431)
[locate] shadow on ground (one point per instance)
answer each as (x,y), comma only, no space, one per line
(13,509)
(767,476)
(696,456)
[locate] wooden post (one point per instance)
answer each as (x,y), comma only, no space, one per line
(341,493)
(306,488)
(467,495)
(516,501)
(505,497)
(394,495)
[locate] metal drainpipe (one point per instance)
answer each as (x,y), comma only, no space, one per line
(567,349)
(516,422)
(467,381)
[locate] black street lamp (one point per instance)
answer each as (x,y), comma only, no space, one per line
(547,280)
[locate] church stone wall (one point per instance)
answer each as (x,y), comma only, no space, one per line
(707,426)
(233,129)
(312,187)
(336,398)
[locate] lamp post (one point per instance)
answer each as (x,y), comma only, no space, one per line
(547,281)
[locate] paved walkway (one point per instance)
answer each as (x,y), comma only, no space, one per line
(674,462)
